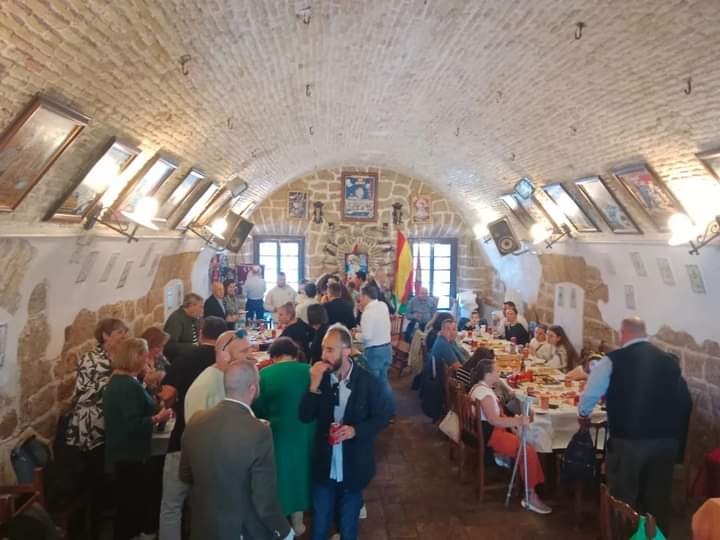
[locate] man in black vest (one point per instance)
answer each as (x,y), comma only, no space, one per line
(648,405)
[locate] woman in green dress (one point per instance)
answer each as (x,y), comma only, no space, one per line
(282,386)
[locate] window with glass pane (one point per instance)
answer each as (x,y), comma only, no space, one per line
(280,255)
(438,268)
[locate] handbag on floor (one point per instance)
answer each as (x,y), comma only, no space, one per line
(450,426)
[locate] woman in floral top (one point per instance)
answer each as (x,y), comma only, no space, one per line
(86,424)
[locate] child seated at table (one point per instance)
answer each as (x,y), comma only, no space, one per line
(540,348)
(497,434)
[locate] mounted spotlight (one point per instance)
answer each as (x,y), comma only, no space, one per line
(540,234)
(317,212)
(143,215)
(685,232)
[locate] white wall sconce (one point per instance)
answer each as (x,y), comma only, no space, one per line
(683,231)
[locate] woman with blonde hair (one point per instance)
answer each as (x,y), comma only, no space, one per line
(129,420)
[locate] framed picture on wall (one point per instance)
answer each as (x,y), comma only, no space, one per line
(570,208)
(217,207)
(297,205)
(179,195)
(612,211)
(103,172)
(422,209)
(524,188)
(711,160)
(537,213)
(145,184)
(30,146)
(358,198)
(202,198)
(124,276)
(650,193)
(697,283)
(518,211)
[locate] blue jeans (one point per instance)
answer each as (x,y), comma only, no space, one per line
(378,361)
(333,499)
(255,309)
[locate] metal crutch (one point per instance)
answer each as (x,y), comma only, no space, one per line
(522,449)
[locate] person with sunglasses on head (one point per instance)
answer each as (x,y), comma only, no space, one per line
(207,390)
(350,409)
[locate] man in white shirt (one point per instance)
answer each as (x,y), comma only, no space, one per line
(279,295)
(207,390)
(307,300)
(375,328)
(254,289)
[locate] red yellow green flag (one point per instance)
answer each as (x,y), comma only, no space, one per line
(403,272)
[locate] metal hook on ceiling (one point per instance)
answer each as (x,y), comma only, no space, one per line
(573,130)
(688,88)
(457,132)
(308,90)
(499,96)
(306,18)
(184,59)
(312,132)
(579,30)
(230,123)
(512,156)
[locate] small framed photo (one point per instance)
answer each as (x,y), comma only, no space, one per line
(358,198)
(612,211)
(638,264)
(201,197)
(697,283)
(524,188)
(666,272)
(124,276)
(711,160)
(30,146)
(577,217)
(87,266)
(145,184)
(109,267)
(630,302)
(518,211)
(422,209)
(650,193)
(297,205)
(179,195)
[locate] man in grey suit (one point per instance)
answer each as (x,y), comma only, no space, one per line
(228,458)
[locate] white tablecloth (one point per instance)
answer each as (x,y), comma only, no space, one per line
(553,429)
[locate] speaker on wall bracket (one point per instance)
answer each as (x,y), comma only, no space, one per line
(237,232)
(503,236)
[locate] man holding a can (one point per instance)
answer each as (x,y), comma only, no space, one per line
(350,409)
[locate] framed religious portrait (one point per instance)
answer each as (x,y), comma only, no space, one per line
(30,146)
(103,172)
(518,211)
(650,193)
(297,205)
(612,211)
(217,207)
(524,188)
(577,217)
(179,195)
(355,262)
(422,209)
(711,160)
(201,197)
(358,198)
(145,184)
(536,212)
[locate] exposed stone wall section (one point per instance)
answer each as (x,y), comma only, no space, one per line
(15,257)
(47,384)
(571,269)
(326,244)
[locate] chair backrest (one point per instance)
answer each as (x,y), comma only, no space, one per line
(453,387)
(618,521)
(396,322)
(34,489)
(467,411)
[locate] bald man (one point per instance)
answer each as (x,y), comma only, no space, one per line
(648,405)
(207,390)
(228,458)
(214,305)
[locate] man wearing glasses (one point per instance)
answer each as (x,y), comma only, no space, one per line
(350,409)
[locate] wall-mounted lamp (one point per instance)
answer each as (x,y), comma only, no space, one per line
(142,216)
(540,234)
(397,213)
(685,232)
(317,212)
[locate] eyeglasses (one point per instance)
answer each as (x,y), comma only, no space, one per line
(239,334)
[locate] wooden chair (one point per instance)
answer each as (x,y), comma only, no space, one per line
(618,521)
(24,494)
(453,389)
(472,441)
(400,348)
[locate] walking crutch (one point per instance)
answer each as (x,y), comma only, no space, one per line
(522,450)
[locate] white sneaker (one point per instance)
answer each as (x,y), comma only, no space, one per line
(538,506)
(363,512)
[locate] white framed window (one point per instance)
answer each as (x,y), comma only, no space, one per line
(438,267)
(281,254)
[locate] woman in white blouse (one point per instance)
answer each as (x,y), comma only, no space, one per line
(497,434)
(565,357)
(540,347)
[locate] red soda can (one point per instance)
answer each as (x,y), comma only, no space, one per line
(332,437)
(274,333)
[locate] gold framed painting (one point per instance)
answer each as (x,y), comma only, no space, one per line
(201,197)
(146,182)
(103,172)
(217,207)
(422,209)
(358,197)
(30,146)
(297,205)
(180,195)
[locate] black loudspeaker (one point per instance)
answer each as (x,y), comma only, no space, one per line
(237,232)
(503,236)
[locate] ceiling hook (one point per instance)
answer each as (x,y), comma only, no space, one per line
(230,123)
(457,132)
(573,130)
(312,132)
(308,91)
(688,89)
(579,30)
(499,96)
(306,18)
(184,59)
(512,156)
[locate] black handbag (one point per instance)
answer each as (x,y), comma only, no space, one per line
(432,390)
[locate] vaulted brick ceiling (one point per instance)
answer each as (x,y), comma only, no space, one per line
(466,94)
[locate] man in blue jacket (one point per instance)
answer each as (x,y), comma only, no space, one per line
(343,394)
